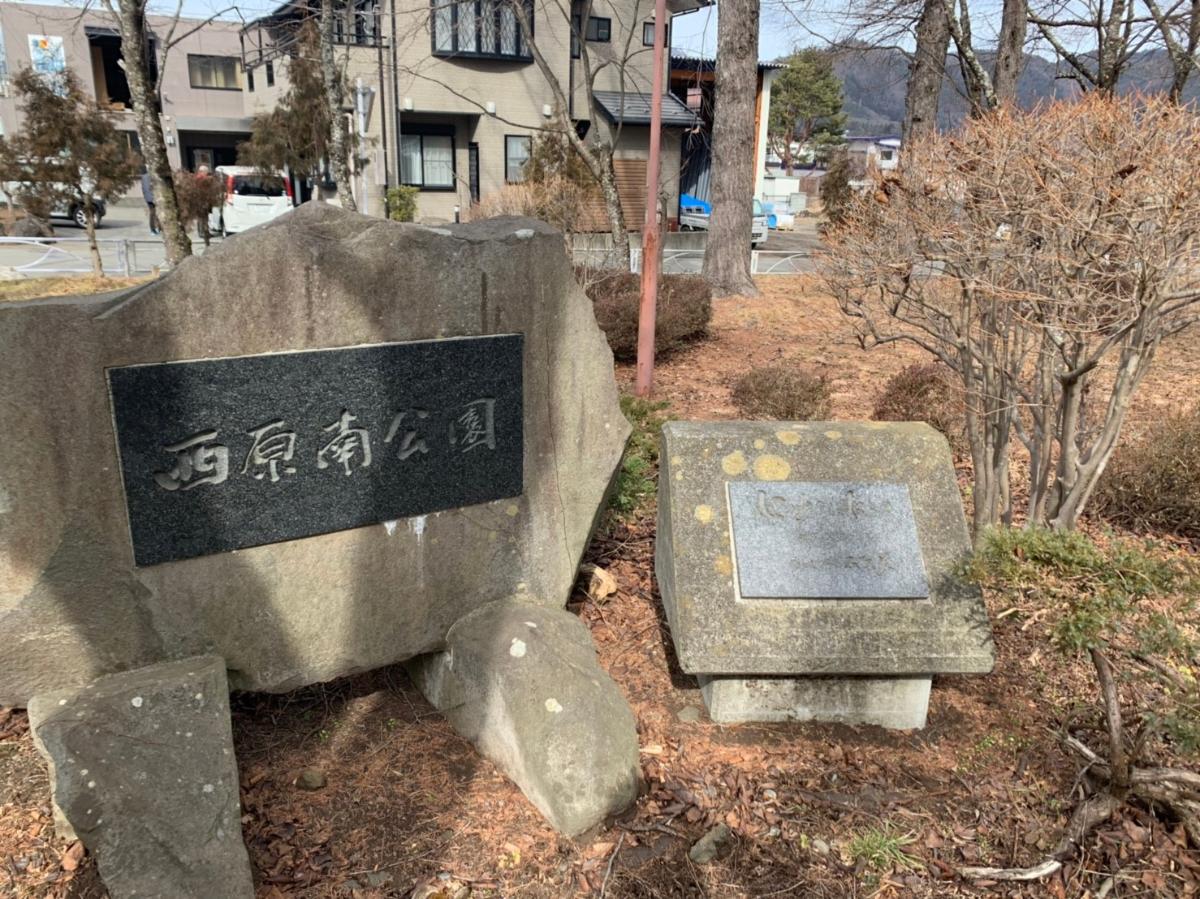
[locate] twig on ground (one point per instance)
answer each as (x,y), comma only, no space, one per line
(611,860)
(1037,872)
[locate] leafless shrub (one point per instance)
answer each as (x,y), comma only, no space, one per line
(684,310)
(783,391)
(1154,482)
(557,201)
(924,392)
(1043,256)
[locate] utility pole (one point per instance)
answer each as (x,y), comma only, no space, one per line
(648,309)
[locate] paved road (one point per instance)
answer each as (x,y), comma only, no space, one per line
(126,241)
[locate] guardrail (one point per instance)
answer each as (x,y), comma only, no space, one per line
(679,262)
(36,256)
(72,256)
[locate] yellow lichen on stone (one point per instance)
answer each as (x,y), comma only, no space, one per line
(834,435)
(723,565)
(512,510)
(734,464)
(679,475)
(787,438)
(704,514)
(771,468)
(760,444)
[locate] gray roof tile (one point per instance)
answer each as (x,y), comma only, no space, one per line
(634,109)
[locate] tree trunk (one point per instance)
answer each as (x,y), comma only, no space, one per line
(727,256)
(927,72)
(131,18)
(976,80)
(607,176)
(89,220)
(1010,51)
(339,159)
(1077,474)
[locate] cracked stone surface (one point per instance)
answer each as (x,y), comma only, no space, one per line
(143,771)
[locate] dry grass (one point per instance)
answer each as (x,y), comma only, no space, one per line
(37,288)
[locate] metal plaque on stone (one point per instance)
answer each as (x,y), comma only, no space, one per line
(221,454)
(825,540)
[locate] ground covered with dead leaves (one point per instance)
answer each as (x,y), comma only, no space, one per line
(409,809)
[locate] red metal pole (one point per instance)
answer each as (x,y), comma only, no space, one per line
(650,234)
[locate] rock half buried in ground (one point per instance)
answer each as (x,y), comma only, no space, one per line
(142,768)
(712,844)
(521,681)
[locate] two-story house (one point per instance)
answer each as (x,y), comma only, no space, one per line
(458,96)
(201,77)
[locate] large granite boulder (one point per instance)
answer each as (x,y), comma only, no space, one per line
(142,770)
(73,605)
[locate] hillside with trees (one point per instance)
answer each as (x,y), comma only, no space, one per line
(874,81)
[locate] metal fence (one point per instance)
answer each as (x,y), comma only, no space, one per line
(39,256)
(684,262)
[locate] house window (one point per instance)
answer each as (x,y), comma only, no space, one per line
(270,74)
(427,158)
(648,35)
(365,20)
(250,80)
(886,155)
(486,28)
(517,150)
(598,30)
(219,73)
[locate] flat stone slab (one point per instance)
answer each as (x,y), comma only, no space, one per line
(521,681)
(898,703)
(848,536)
(142,769)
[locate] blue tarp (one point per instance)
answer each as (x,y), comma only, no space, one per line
(688,202)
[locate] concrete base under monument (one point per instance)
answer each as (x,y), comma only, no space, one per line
(899,703)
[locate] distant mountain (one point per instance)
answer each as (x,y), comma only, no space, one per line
(874,81)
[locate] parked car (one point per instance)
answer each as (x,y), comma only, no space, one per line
(70,212)
(74,212)
(694,215)
(252,197)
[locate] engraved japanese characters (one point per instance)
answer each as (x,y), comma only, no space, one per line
(228,453)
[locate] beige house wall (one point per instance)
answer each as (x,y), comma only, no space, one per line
(187,111)
(483,99)
(487,100)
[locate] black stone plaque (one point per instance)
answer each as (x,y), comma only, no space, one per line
(221,454)
(825,540)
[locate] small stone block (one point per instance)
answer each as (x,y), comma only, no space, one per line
(899,703)
(142,767)
(521,681)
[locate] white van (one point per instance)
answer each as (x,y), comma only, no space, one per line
(251,198)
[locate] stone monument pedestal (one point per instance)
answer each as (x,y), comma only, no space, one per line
(809,570)
(900,703)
